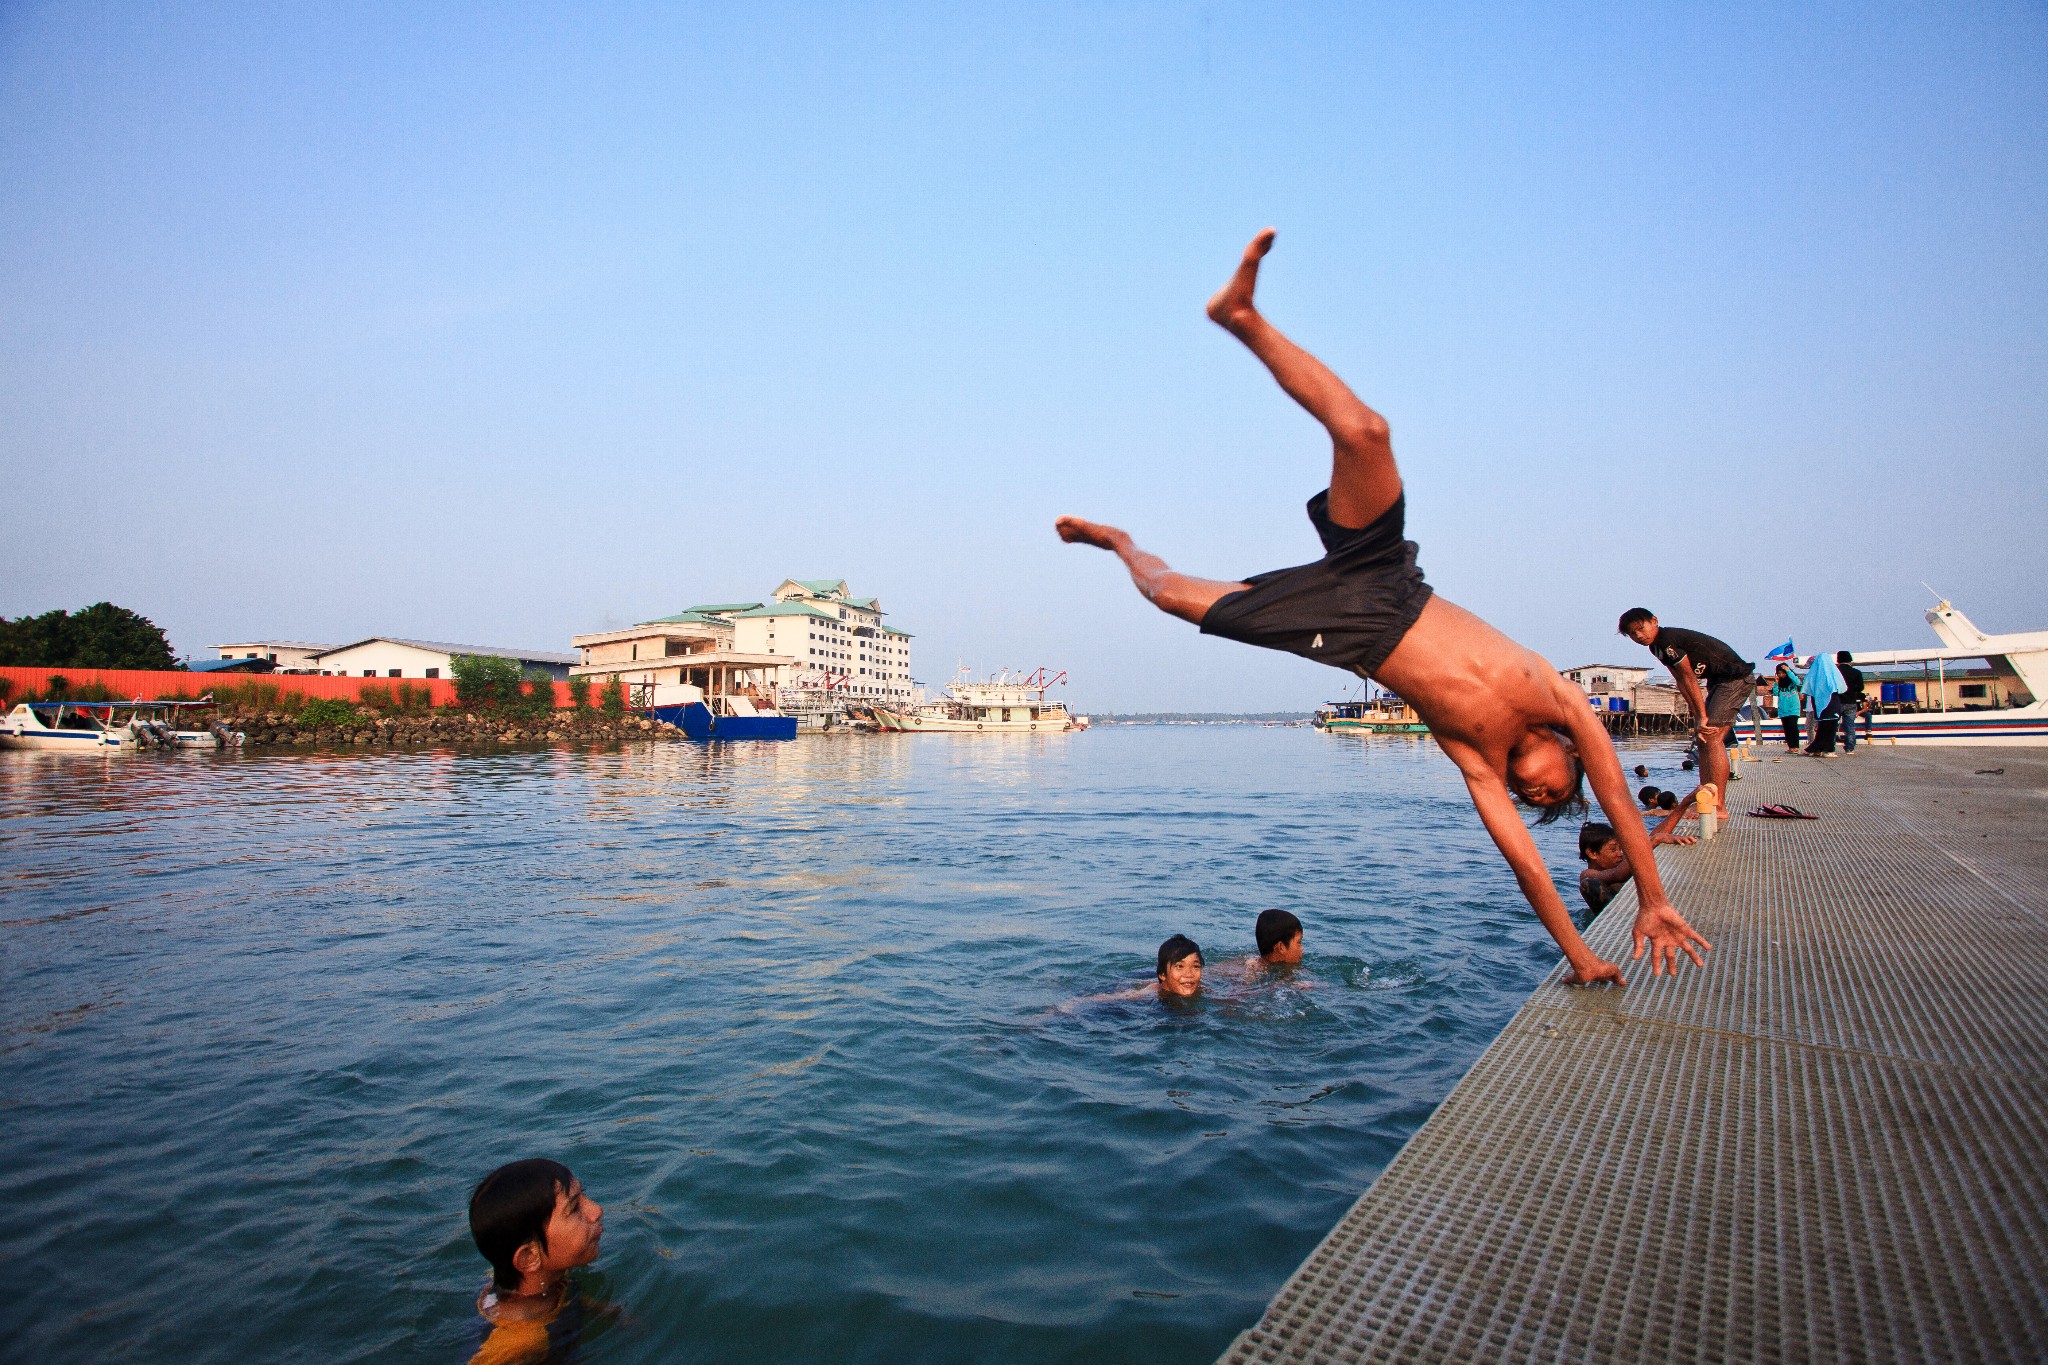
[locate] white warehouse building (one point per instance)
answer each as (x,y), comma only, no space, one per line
(385,656)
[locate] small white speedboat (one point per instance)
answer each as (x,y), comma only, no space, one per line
(100,726)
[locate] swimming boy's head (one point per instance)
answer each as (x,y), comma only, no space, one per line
(1545,772)
(1598,846)
(1180,966)
(1667,800)
(1639,624)
(1279,935)
(1641,771)
(1648,796)
(532,1222)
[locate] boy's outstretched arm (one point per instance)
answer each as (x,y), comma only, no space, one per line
(1659,926)
(1503,820)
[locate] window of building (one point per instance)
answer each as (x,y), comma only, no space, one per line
(433,672)
(394,672)
(1976,690)
(369,672)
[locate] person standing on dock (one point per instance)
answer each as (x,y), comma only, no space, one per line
(1513,725)
(1714,680)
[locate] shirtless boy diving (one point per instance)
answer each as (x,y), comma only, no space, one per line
(1514,727)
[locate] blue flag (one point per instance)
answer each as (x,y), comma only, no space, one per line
(1783,651)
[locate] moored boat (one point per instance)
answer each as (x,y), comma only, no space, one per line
(718,714)
(100,726)
(1383,714)
(1974,689)
(1001,705)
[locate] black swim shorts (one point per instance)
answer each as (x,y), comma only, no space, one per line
(1348,609)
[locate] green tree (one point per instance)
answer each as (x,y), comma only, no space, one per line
(485,682)
(613,699)
(100,636)
(579,691)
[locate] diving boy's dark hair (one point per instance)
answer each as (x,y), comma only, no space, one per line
(1648,795)
(1634,617)
(1176,948)
(1592,835)
(1274,928)
(1573,802)
(511,1207)
(1667,800)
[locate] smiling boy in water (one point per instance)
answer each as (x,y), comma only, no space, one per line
(533,1223)
(1516,729)
(1180,966)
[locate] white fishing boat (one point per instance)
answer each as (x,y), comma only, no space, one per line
(100,726)
(1381,714)
(1001,705)
(1974,689)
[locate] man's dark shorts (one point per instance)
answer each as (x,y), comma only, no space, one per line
(1725,699)
(1348,609)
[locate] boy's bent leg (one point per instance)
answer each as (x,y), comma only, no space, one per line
(1364,480)
(1176,594)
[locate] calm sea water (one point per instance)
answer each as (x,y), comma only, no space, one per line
(798,1014)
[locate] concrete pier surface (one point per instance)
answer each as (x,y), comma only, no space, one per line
(1830,1145)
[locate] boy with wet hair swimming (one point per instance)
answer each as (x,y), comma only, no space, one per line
(1180,966)
(1515,728)
(533,1223)
(1278,934)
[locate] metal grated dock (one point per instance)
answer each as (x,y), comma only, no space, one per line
(1832,1145)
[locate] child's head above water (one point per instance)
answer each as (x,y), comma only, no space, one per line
(1648,796)
(1667,800)
(1598,845)
(533,1223)
(1180,966)
(1279,936)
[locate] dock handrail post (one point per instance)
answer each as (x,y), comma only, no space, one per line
(1708,804)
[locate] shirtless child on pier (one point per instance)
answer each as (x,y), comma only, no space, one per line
(1514,727)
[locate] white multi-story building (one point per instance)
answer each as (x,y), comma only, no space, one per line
(811,632)
(826,630)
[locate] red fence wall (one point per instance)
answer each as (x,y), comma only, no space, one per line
(153,685)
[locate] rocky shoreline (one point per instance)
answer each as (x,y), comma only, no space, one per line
(274,729)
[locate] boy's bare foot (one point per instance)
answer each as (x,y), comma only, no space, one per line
(1233,302)
(1075,531)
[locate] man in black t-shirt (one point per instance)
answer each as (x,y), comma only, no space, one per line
(1713,678)
(1849,700)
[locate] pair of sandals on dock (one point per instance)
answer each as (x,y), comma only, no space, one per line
(1782,812)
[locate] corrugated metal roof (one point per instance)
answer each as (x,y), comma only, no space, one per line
(538,656)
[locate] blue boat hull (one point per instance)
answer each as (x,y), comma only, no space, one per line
(696,721)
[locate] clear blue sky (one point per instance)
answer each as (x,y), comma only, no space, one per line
(497,325)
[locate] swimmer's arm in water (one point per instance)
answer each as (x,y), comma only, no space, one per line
(1143,991)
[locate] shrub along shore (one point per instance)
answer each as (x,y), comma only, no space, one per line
(492,703)
(317,724)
